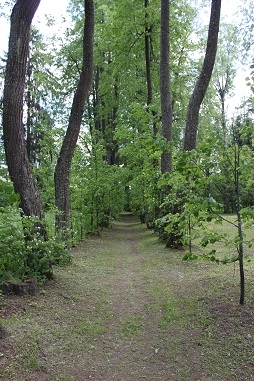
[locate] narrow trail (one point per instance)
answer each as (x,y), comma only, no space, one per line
(126,309)
(127,286)
(132,342)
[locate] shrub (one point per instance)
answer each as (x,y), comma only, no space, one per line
(26,256)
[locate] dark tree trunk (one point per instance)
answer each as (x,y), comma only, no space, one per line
(148,55)
(104,120)
(237,179)
(222,89)
(166,105)
(13,128)
(241,261)
(222,92)
(62,170)
(175,238)
(204,78)
(148,30)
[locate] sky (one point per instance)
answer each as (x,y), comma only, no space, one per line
(48,7)
(52,7)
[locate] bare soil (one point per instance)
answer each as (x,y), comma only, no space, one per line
(127,309)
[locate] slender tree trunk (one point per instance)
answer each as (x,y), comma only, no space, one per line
(222,90)
(241,260)
(166,105)
(239,218)
(13,101)
(148,29)
(62,170)
(148,56)
(204,78)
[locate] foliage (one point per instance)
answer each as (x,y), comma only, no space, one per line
(22,257)
(7,194)
(195,187)
(97,190)
(117,160)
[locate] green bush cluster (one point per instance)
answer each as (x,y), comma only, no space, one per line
(23,255)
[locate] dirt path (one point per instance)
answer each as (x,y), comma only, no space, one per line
(127,309)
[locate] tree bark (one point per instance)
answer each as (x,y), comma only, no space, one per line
(63,166)
(175,239)
(204,78)
(13,129)
(166,105)
(148,56)
(148,30)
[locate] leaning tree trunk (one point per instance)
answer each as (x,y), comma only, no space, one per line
(62,170)
(13,129)
(204,78)
(174,239)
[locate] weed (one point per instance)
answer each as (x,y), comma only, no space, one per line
(32,361)
(170,313)
(132,325)
(204,318)
(91,329)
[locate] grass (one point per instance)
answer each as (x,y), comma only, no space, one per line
(132,325)
(226,247)
(134,308)
(170,313)
(91,329)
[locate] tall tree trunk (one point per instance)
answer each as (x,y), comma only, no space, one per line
(62,170)
(148,30)
(203,79)
(13,128)
(148,44)
(222,88)
(175,239)
(166,105)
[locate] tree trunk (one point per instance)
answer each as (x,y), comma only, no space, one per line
(175,239)
(148,30)
(204,78)
(62,170)
(148,48)
(13,128)
(166,106)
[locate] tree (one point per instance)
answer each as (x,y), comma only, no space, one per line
(225,72)
(166,106)
(203,79)
(149,59)
(225,68)
(62,170)
(13,130)
(175,236)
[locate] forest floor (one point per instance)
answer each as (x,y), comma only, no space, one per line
(128,309)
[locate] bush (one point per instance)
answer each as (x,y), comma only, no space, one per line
(30,256)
